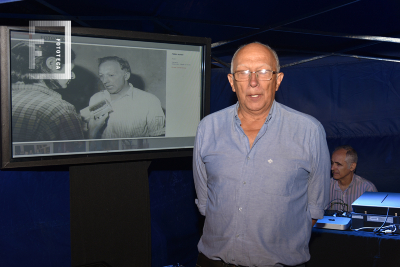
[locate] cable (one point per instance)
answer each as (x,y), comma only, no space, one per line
(387,215)
(363,228)
(336,199)
(341,202)
(388,229)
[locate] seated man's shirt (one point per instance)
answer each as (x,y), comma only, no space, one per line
(259,202)
(135,114)
(342,200)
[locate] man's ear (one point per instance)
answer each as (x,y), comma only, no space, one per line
(51,63)
(353,166)
(127,75)
(279,79)
(231,81)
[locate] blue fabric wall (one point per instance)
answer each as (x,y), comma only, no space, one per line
(356,101)
(175,220)
(34,219)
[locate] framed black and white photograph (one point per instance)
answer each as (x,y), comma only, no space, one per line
(134,93)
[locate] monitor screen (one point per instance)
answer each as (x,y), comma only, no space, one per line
(129,96)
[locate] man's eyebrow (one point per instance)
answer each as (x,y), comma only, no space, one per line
(335,162)
(244,65)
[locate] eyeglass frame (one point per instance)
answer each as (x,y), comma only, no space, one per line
(255,72)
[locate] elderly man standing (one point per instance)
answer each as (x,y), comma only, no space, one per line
(346,186)
(261,171)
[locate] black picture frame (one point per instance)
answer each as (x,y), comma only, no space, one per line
(14,154)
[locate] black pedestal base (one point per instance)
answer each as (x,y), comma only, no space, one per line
(110,214)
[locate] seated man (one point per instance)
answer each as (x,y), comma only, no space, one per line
(346,186)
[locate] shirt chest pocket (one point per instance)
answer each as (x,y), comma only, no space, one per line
(277,177)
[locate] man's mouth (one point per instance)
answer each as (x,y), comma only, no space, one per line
(254,96)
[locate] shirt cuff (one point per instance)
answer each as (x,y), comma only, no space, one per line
(202,208)
(316,212)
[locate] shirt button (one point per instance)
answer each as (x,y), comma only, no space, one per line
(248,157)
(237,236)
(240,209)
(244,182)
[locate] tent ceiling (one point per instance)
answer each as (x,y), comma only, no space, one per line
(298,30)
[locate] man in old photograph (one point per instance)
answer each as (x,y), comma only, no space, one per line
(38,111)
(132,112)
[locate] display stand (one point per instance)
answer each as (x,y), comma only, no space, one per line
(110,214)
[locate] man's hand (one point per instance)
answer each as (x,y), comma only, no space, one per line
(95,125)
(314,221)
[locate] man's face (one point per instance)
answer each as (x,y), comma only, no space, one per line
(254,96)
(340,168)
(113,77)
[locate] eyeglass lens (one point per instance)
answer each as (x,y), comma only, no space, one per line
(262,75)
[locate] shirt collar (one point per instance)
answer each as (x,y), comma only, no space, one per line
(36,87)
(350,185)
(127,93)
(271,111)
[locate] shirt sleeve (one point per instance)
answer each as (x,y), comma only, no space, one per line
(319,180)
(63,122)
(371,188)
(199,174)
(155,118)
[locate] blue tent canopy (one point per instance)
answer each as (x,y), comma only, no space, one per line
(341,65)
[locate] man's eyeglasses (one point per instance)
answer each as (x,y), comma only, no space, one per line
(262,75)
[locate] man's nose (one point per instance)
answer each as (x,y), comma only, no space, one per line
(253,79)
(72,75)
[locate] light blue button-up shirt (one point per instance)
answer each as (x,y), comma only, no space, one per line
(259,201)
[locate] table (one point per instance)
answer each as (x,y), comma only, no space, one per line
(353,248)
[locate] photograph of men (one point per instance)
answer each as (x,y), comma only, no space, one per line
(261,171)
(134,112)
